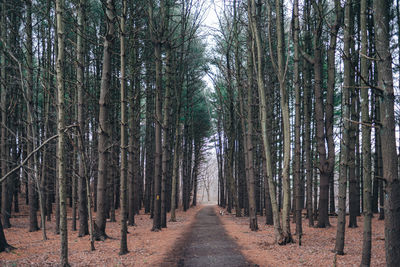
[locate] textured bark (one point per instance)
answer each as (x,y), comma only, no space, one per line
(82,200)
(165,132)
(320,130)
(284,101)
(387,131)
(329,108)
(307,106)
(157,31)
(297,149)
(231,136)
(263,118)
(344,149)
(104,132)
(366,139)
(32,175)
(247,112)
(4,246)
(149,139)
(5,186)
(62,178)
(123,168)
(134,173)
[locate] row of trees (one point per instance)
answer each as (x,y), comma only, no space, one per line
(119,85)
(291,88)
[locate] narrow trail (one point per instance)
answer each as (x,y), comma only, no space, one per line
(206,244)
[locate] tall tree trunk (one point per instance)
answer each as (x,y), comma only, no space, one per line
(83,207)
(387,131)
(297,149)
(123,172)
(246,112)
(5,186)
(323,166)
(366,138)
(263,119)
(330,94)
(344,149)
(62,179)
(104,133)
(157,35)
(307,107)
(32,175)
(280,69)
(165,132)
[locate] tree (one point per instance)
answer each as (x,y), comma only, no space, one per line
(123,173)
(80,58)
(62,180)
(104,127)
(387,132)
(281,70)
(296,82)
(366,138)
(344,149)
(254,20)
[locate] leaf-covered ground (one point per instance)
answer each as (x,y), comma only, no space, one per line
(146,248)
(316,248)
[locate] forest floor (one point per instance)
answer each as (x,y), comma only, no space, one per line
(317,244)
(146,248)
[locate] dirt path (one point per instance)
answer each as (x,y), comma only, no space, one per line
(206,244)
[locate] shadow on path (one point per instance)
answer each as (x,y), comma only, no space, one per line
(206,244)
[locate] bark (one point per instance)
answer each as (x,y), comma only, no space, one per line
(4,246)
(263,119)
(344,149)
(104,132)
(281,70)
(134,138)
(82,200)
(62,179)
(149,140)
(387,132)
(246,112)
(231,138)
(324,163)
(5,186)
(297,149)
(123,172)
(165,132)
(32,175)
(307,106)
(157,35)
(366,139)
(329,111)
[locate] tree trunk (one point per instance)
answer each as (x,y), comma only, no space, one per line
(123,172)
(32,175)
(263,119)
(61,134)
(83,210)
(165,132)
(324,168)
(104,132)
(307,107)
(5,186)
(387,131)
(297,149)
(366,139)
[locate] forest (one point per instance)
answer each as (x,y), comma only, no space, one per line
(112,110)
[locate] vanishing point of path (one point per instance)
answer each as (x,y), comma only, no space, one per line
(206,244)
